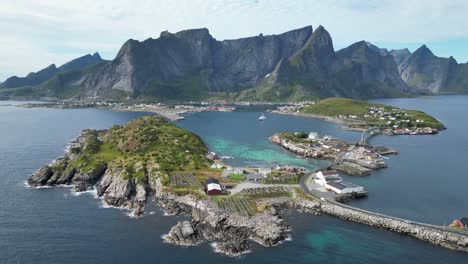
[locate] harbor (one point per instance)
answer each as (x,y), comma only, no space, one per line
(353,158)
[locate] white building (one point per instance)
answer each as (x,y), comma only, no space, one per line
(322,177)
(314,135)
(344,187)
(264,171)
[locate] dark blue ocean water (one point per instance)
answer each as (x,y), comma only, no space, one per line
(427,181)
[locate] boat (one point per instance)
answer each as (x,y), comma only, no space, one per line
(262,117)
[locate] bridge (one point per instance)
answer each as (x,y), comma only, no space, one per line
(368,132)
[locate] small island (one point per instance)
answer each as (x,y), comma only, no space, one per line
(351,158)
(362,115)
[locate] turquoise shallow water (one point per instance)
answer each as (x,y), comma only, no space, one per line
(54,226)
(262,154)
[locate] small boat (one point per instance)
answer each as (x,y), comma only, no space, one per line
(262,117)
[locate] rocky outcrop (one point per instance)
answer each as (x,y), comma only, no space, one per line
(41,176)
(118,190)
(183,234)
(231,232)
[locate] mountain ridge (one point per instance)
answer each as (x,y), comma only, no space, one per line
(192,65)
(36,78)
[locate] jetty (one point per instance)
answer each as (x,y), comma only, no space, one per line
(439,235)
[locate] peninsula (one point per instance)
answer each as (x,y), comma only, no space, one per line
(152,159)
(362,115)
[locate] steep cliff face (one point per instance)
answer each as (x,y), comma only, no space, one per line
(192,65)
(369,73)
(316,70)
(424,71)
(400,56)
(244,63)
(428,73)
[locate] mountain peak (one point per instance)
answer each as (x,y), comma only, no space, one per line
(322,40)
(424,50)
(96,55)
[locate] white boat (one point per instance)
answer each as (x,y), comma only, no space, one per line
(262,117)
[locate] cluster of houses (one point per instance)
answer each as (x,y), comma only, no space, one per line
(293,108)
(206,107)
(75,104)
(416,131)
(397,121)
(314,146)
(330,180)
(364,157)
(394,118)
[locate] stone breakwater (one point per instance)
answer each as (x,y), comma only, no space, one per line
(453,239)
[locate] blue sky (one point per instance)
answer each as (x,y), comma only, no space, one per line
(38,33)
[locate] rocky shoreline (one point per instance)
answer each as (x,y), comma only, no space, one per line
(230,232)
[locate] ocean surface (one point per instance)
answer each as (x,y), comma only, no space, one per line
(426,182)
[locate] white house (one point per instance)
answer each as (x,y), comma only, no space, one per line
(264,171)
(314,135)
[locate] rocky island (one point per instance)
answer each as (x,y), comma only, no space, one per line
(151,158)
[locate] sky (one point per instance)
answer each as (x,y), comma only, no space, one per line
(37,33)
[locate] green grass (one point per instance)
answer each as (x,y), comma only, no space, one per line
(147,140)
(334,107)
(236,177)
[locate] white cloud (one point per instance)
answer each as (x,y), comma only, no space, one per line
(38,33)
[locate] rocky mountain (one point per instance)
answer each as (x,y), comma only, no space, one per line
(400,56)
(37,78)
(316,70)
(192,65)
(427,73)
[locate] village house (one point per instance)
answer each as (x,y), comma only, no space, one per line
(462,222)
(212,187)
